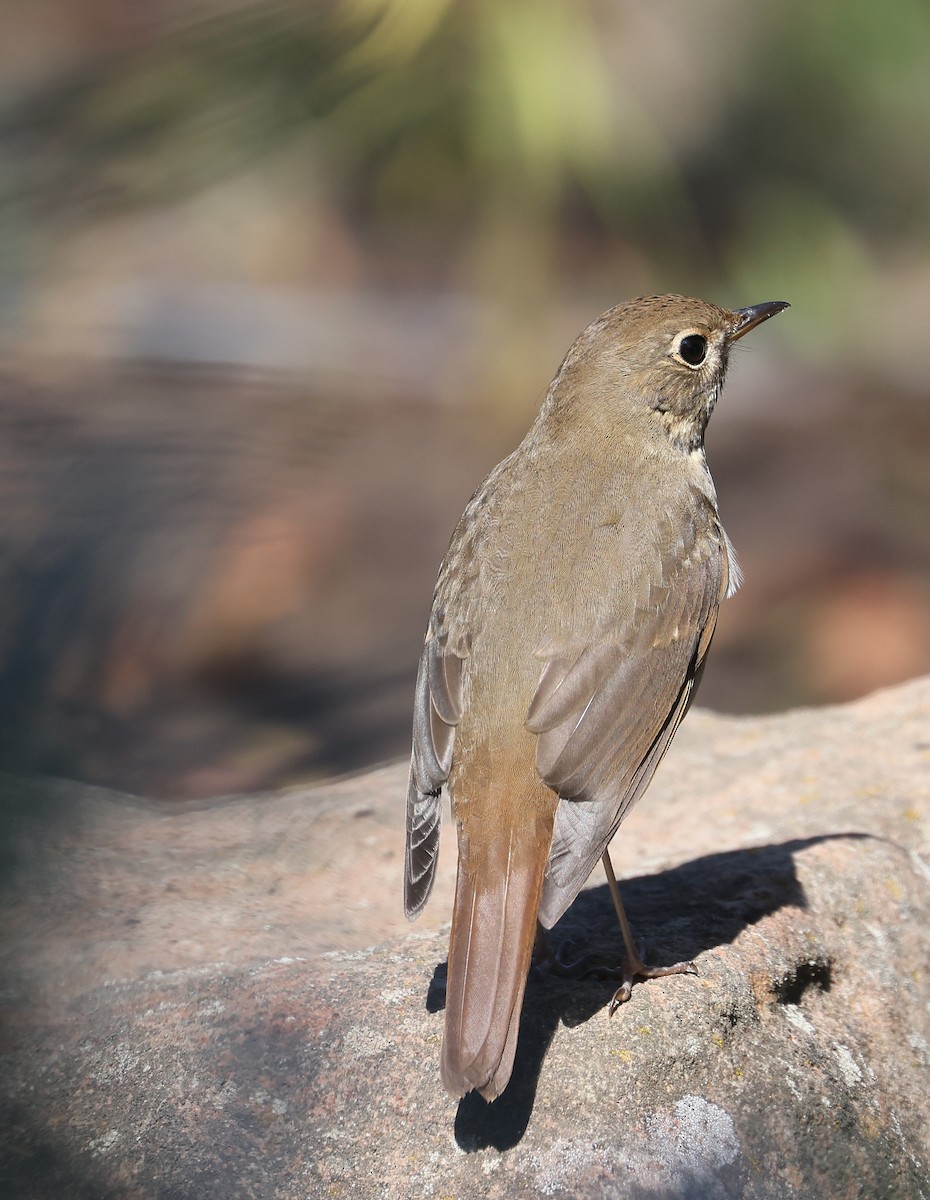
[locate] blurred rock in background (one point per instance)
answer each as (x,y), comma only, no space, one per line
(280,282)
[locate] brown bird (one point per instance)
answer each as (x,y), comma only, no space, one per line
(570,625)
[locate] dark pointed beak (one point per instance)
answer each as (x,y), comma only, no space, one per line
(749,318)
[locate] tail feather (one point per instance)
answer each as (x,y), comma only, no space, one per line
(493,930)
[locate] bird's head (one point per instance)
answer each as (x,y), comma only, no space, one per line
(662,356)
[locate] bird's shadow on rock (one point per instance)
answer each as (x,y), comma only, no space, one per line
(681,912)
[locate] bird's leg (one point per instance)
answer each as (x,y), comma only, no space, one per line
(594,965)
(634,967)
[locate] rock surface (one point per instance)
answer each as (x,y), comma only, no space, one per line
(192,1006)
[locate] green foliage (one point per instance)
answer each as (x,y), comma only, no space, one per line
(512,127)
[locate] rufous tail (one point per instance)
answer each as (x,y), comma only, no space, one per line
(493,929)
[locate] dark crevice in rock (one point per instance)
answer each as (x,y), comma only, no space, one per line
(816,973)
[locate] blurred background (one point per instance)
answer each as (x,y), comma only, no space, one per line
(280,281)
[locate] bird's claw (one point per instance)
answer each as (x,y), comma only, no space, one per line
(639,970)
(595,966)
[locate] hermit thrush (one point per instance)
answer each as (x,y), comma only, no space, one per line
(570,626)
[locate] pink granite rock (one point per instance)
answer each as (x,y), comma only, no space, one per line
(226,1002)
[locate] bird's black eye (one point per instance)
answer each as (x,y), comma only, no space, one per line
(693,349)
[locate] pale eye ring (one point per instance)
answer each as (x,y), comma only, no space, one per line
(692,349)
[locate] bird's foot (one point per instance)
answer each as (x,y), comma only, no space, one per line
(637,969)
(596,966)
(547,960)
(592,965)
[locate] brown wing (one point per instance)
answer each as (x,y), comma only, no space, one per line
(606,712)
(437,710)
